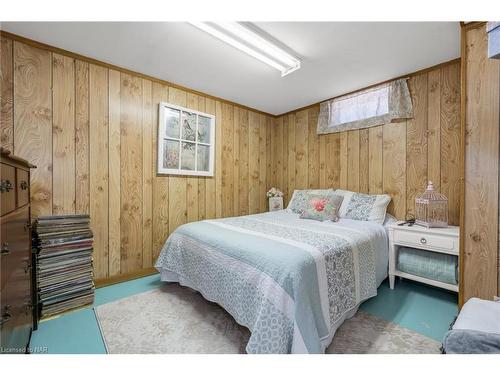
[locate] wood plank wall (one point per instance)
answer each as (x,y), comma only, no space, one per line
(91,131)
(397,158)
(480,227)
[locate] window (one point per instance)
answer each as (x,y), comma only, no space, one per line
(375,106)
(360,106)
(186,141)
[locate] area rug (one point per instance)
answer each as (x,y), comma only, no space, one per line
(176,319)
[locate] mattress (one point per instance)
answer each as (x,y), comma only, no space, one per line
(291,281)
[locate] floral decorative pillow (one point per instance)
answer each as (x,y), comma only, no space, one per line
(358,206)
(300,198)
(321,208)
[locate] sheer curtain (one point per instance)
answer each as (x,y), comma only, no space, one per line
(371,107)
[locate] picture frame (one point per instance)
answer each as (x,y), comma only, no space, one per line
(275,204)
(186,141)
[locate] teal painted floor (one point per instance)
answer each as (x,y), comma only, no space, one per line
(415,306)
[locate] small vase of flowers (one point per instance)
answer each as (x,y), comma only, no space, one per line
(275,199)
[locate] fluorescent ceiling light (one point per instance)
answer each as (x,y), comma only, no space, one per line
(250,42)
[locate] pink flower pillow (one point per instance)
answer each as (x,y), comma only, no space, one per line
(321,208)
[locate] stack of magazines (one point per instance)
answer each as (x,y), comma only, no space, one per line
(64,273)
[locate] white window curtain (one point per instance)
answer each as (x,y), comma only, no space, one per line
(371,107)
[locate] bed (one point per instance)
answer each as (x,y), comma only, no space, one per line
(291,281)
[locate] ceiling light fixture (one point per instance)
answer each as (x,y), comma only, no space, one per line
(249,41)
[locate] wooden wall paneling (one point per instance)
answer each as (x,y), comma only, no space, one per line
(227,160)
(450,139)
(253,162)
(244,162)
(322,161)
(82,141)
(375,160)
(434,127)
(210,181)
(6,94)
(160,182)
(99,181)
(363,159)
(218,159)
(114,165)
(273,152)
(353,160)
(63,134)
(292,150)
(202,181)
(364,167)
(279,154)
(105,135)
(285,131)
(147,173)
(394,164)
(332,160)
(314,149)
(236,161)
(262,163)
(481,222)
(301,150)
(33,121)
(177,209)
(270,172)
(343,168)
(192,208)
(131,173)
(416,143)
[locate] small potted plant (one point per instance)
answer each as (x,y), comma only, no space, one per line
(275,199)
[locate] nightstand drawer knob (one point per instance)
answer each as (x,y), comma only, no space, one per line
(423,241)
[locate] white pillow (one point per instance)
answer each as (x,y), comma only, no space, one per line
(358,206)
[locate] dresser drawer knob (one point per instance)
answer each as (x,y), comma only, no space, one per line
(6,316)
(27,266)
(5,248)
(28,308)
(423,241)
(5,186)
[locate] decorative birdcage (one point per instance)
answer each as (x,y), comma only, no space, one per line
(431,208)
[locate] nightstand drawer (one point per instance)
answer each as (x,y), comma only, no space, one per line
(425,240)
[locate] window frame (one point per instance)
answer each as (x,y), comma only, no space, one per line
(162,108)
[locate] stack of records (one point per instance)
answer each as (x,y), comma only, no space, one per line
(63,263)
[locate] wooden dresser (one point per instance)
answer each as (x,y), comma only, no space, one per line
(16,307)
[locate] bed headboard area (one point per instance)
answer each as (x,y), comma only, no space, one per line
(397,158)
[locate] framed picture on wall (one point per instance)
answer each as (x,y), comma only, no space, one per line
(186,141)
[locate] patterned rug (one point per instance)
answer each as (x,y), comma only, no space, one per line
(175,319)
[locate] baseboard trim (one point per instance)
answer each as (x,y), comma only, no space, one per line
(126,277)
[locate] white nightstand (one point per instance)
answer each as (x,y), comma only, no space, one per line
(439,240)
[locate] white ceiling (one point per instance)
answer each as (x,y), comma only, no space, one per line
(337,57)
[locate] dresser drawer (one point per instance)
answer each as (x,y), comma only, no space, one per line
(8,188)
(16,329)
(425,240)
(15,245)
(23,191)
(15,278)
